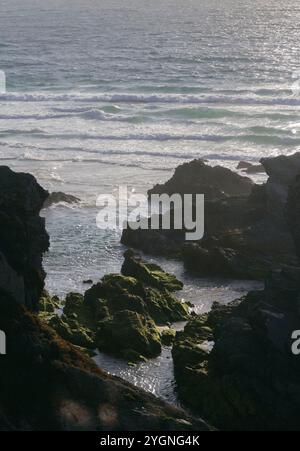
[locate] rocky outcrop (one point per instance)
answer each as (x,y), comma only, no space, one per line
(120,314)
(138,332)
(282,171)
(46,383)
(149,273)
(293,211)
(23,238)
(236,367)
(246,236)
(236,364)
(196,177)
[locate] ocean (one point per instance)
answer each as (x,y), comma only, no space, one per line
(102,93)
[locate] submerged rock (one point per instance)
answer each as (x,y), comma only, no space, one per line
(57,197)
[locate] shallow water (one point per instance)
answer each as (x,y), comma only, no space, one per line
(79,251)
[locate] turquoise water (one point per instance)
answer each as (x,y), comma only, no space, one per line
(107,92)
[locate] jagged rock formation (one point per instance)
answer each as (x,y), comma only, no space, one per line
(196,177)
(235,365)
(120,314)
(46,384)
(23,238)
(245,235)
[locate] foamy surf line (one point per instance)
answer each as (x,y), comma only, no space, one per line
(154,98)
(252,138)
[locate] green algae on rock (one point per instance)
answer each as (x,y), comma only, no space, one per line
(119,314)
(167,336)
(48,304)
(129,335)
(71,330)
(149,273)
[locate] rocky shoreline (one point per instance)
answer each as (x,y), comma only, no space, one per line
(234,366)
(123,314)
(246,233)
(46,383)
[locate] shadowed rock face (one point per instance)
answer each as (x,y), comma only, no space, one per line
(196,177)
(293,212)
(23,238)
(249,377)
(246,229)
(45,383)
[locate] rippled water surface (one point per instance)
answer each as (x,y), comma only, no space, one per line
(109,92)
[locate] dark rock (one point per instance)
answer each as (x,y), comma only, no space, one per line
(57,197)
(235,364)
(168,336)
(23,237)
(46,383)
(251,168)
(293,211)
(196,177)
(88,282)
(282,169)
(245,236)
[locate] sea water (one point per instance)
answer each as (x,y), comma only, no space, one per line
(102,93)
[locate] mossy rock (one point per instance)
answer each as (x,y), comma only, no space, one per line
(168,336)
(129,335)
(85,315)
(127,293)
(48,304)
(69,329)
(121,311)
(149,273)
(165,308)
